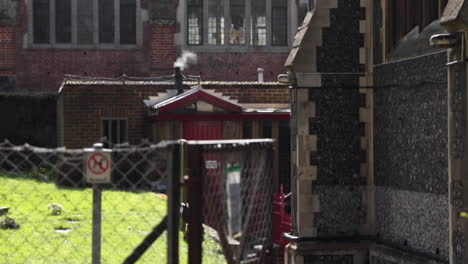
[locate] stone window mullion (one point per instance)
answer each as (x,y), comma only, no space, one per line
(139,24)
(96,22)
(204,28)
(52,23)
(227,22)
(74,23)
(116,22)
(248,22)
(268,23)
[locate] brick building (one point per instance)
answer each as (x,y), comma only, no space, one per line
(43,40)
(377,116)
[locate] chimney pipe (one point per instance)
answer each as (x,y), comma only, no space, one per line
(260,74)
(178,80)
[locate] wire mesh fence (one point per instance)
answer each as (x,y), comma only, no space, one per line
(48,207)
(47,203)
(237,199)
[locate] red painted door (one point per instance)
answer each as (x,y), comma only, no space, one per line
(203,130)
(213,195)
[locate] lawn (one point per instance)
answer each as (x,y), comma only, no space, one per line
(127,217)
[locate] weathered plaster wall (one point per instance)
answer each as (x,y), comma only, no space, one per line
(411,154)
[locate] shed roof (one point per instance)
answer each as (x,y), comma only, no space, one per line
(196,94)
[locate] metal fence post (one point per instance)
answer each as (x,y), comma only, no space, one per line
(195,199)
(174,207)
(97,199)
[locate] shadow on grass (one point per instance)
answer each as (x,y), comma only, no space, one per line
(41,175)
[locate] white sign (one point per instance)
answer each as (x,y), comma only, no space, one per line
(98,167)
(211,164)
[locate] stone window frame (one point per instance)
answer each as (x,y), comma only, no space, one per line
(109,137)
(74,38)
(291,12)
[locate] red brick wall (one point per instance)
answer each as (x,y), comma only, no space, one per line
(163,52)
(85,105)
(258,95)
(7,50)
(44,68)
(235,66)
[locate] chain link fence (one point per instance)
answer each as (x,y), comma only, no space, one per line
(51,213)
(47,205)
(236,187)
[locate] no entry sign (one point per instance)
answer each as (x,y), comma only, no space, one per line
(98,167)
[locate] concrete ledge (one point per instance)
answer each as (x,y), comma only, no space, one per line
(379,253)
(330,252)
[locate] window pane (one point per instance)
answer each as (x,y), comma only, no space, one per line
(194,22)
(41,21)
(85,23)
(258,31)
(114,136)
(127,21)
(215,22)
(123,131)
(63,32)
(237,29)
(105,129)
(106,21)
(279,22)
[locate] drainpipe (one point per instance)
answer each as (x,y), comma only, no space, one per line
(178,80)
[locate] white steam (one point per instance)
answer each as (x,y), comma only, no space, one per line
(185,59)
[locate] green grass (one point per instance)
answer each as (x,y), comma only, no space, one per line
(127,217)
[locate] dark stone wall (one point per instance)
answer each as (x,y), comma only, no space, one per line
(337,126)
(27,119)
(410,154)
(411,124)
(342,40)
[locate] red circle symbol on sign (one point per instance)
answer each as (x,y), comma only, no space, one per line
(98,163)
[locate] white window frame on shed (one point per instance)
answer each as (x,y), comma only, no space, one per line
(75,43)
(119,120)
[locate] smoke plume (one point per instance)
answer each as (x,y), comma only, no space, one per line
(185,59)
